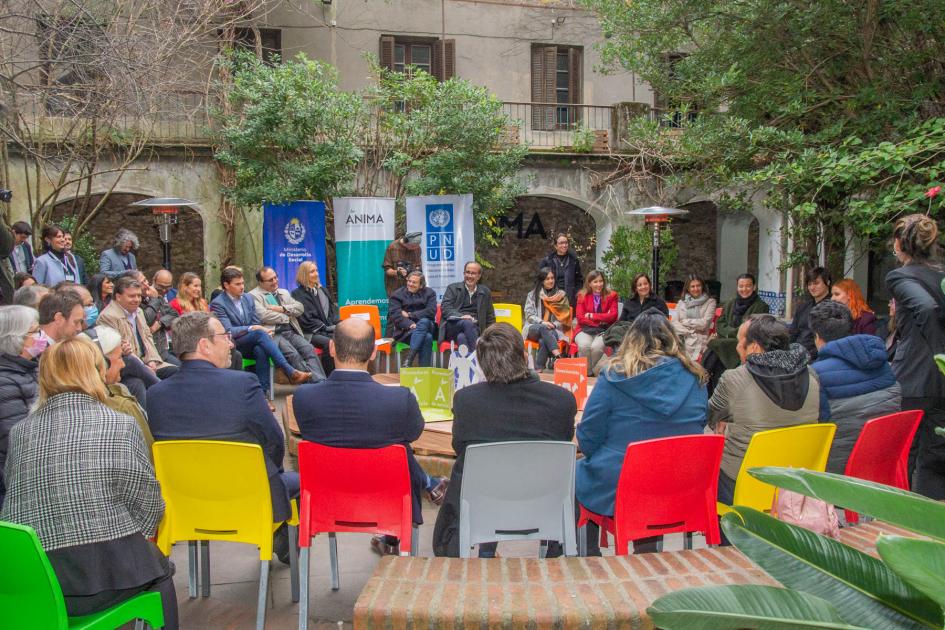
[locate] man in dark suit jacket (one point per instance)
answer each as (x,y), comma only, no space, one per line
(467,308)
(205,401)
(237,312)
(351,410)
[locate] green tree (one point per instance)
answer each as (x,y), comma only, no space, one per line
(832,109)
(631,252)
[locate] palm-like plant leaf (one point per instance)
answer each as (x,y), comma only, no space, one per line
(748,606)
(862,588)
(899,507)
(921,563)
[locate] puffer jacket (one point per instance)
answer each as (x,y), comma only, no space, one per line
(18,390)
(859,383)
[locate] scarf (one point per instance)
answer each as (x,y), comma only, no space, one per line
(694,305)
(741,307)
(556,305)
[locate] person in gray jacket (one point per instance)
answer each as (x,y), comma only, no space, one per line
(119,258)
(854,375)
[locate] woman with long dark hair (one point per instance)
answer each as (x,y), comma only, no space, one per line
(547,317)
(596,312)
(642,299)
(57,264)
(694,316)
(565,265)
(103,290)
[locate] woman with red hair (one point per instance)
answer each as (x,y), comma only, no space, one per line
(848,293)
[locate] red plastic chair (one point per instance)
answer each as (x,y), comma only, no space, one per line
(881,453)
(666,485)
(363,490)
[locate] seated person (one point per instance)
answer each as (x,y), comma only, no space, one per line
(205,401)
(351,410)
(694,317)
(547,318)
(818,289)
(720,354)
(237,313)
(855,375)
(640,300)
(189,298)
(466,308)
(596,312)
(774,387)
(481,413)
(61,316)
(79,473)
(158,312)
(848,293)
(411,316)
(319,312)
(648,389)
(279,313)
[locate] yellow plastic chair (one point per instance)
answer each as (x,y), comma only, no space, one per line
(220,491)
(802,446)
(510,314)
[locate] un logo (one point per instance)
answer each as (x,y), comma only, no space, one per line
(294,231)
(439,218)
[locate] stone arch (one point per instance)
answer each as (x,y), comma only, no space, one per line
(603,222)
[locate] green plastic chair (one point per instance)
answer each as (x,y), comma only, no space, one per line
(251,363)
(30,596)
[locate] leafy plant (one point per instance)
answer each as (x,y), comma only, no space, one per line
(631,252)
(583,139)
(82,244)
(829,584)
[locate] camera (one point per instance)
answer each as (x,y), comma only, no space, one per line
(406,266)
(6,196)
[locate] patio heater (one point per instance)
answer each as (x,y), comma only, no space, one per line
(165,211)
(655,216)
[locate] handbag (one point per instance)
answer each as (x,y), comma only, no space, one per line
(797,509)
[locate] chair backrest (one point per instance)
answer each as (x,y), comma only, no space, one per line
(715,320)
(669,485)
(214,491)
(354,490)
(802,446)
(510,314)
(30,596)
(367,312)
(881,453)
(518,490)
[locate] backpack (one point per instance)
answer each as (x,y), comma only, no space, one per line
(813,514)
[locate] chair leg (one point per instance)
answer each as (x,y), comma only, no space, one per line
(263,592)
(582,541)
(294,562)
(333,555)
(415,541)
(687,540)
(303,579)
(272,382)
(139,624)
(192,578)
(204,547)
(543,550)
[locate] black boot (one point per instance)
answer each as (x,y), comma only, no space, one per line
(409,360)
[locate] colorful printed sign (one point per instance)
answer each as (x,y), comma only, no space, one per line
(446,222)
(293,233)
(571,374)
(433,388)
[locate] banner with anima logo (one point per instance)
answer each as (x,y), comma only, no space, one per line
(446,222)
(293,233)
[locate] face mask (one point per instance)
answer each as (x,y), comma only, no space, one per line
(91,314)
(36,346)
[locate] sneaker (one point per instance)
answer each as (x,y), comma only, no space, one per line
(438,492)
(383,548)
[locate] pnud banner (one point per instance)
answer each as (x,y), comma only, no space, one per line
(293,233)
(446,222)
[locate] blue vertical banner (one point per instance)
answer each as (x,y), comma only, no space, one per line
(293,233)
(446,222)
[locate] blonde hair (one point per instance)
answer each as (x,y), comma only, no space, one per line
(301,276)
(73,365)
(918,236)
(648,341)
(185,302)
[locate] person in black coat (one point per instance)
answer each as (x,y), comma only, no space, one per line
(411,316)
(321,312)
(512,404)
(466,309)
(642,299)
(19,348)
(566,266)
(920,329)
(818,283)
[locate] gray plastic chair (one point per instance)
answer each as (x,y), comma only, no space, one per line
(518,491)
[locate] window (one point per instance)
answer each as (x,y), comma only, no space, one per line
(434,56)
(673,112)
(270,40)
(557,81)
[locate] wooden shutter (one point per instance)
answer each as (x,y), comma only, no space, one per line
(575,83)
(448,57)
(543,87)
(387,52)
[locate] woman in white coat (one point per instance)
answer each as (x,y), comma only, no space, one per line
(693,318)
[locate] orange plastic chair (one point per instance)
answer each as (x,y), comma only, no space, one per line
(881,453)
(666,486)
(363,490)
(371,314)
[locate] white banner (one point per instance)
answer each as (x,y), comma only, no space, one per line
(446,222)
(364,227)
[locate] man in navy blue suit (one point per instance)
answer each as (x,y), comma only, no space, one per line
(206,401)
(350,410)
(237,312)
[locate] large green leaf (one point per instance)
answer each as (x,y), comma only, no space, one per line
(921,563)
(747,606)
(861,587)
(899,507)
(940,360)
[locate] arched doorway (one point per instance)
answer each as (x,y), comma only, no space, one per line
(186,237)
(695,237)
(754,247)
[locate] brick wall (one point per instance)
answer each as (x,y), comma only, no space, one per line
(695,236)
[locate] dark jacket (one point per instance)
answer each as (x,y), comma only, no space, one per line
(204,402)
(481,413)
(632,307)
(7,241)
(726,329)
(920,328)
(859,385)
(158,309)
(18,391)
(315,319)
(568,276)
(453,299)
(800,327)
(865,324)
(664,401)
(350,410)
(419,305)
(233,321)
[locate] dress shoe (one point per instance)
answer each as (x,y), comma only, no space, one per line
(299,377)
(280,543)
(438,492)
(281,377)
(383,548)
(272,406)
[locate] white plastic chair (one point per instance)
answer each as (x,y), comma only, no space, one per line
(518,491)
